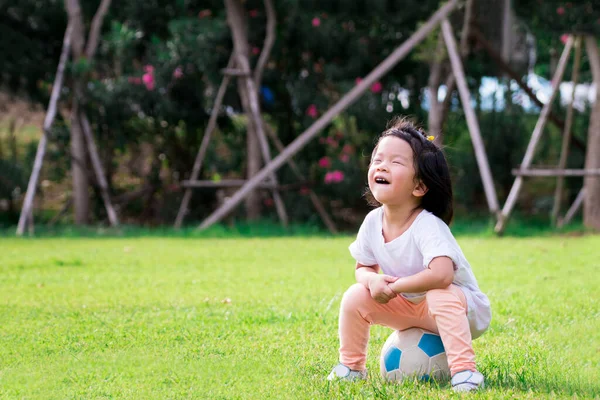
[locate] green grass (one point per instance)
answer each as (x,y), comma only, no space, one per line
(480,226)
(148,318)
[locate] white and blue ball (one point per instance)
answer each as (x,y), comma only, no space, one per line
(414,353)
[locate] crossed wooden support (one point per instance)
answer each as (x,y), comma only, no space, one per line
(440,17)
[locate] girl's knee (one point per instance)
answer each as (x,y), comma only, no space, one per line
(435,294)
(437,298)
(356,295)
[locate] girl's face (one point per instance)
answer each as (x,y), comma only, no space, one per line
(392,174)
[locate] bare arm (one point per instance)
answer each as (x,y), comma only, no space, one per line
(364,273)
(377,284)
(438,275)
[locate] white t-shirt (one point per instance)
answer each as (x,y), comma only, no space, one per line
(427,237)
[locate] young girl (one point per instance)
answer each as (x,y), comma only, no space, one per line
(426,280)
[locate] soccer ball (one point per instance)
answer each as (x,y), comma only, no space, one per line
(414,353)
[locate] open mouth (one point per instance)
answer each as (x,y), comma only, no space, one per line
(381,180)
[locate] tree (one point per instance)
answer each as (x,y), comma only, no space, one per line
(82,58)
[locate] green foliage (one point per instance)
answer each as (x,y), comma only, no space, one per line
(153,81)
(550,21)
(561,16)
(12,177)
(31,34)
(163,318)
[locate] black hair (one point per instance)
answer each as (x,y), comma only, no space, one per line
(430,166)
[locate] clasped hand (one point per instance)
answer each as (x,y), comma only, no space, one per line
(380,289)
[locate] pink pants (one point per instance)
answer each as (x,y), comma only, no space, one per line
(444,312)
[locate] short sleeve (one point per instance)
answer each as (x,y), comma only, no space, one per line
(434,239)
(361,249)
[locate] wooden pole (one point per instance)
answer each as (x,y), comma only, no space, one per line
(326,118)
(48,120)
(556,172)
(535,137)
(229,183)
(591,203)
(98,170)
(564,151)
(212,123)
(465,97)
(573,209)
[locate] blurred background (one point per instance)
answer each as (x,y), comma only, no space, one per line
(148,89)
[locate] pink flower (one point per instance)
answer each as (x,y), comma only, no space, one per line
(148,77)
(148,80)
(325,162)
(204,13)
(253,13)
(560,10)
(332,142)
(134,80)
(178,73)
(255,51)
(348,149)
(563,38)
(312,111)
(376,87)
(344,158)
(316,21)
(358,80)
(338,176)
(334,177)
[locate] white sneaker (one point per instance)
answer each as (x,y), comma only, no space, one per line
(342,372)
(467,381)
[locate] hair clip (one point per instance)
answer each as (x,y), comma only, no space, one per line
(430,138)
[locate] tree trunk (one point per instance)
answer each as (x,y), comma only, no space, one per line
(81,184)
(253,164)
(81,198)
(591,206)
(235,16)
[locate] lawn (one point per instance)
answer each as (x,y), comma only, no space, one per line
(170,318)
